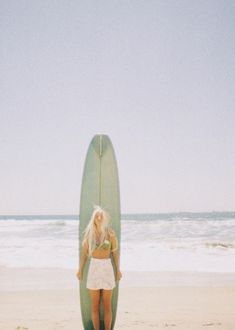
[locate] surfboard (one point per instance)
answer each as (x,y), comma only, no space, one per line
(100,186)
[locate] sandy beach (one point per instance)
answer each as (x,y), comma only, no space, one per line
(49,299)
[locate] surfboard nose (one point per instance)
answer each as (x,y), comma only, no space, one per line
(100,142)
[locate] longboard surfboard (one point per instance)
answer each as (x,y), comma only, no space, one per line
(100,186)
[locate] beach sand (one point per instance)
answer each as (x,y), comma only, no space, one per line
(48,299)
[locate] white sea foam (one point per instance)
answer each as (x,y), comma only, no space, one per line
(176,243)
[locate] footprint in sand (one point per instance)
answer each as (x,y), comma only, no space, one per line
(21,328)
(169,325)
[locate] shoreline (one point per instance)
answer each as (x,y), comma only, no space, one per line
(18,279)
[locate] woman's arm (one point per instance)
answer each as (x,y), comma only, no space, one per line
(82,260)
(116,255)
(116,260)
(114,249)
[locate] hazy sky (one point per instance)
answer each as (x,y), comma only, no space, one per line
(157,76)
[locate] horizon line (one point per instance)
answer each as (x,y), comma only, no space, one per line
(129,213)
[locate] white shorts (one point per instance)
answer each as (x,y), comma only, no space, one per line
(100,274)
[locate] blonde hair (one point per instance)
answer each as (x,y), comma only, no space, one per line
(90,231)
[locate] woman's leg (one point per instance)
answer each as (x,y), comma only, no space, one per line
(107,302)
(95,301)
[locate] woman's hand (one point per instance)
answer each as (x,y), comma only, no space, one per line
(79,275)
(118,275)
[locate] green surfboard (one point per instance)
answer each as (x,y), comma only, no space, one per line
(100,186)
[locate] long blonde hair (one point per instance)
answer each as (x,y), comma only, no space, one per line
(90,231)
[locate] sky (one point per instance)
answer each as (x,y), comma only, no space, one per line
(157,76)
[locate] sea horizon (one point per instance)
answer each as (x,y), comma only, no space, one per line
(124,216)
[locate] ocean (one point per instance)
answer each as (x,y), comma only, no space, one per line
(203,242)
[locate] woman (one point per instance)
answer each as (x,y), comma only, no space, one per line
(98,243)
